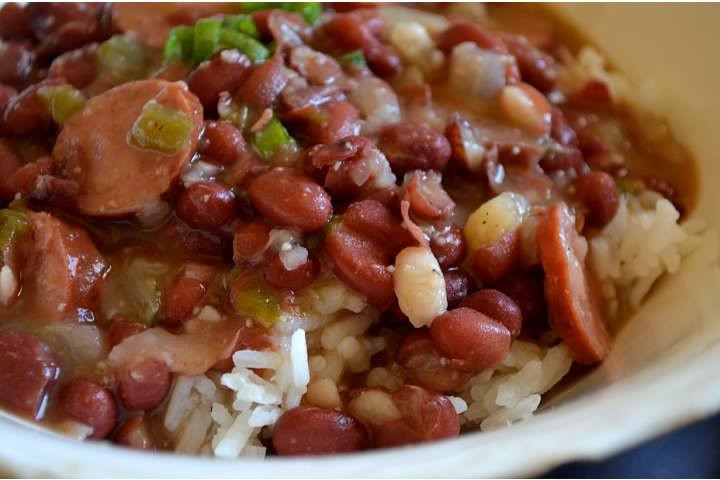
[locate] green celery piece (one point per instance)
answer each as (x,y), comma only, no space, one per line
(310,11)
(161,128)
(63,101)
(255,50)
(207,36)
(179,44)
(243,24)
(354,58)
(271,138)
(13,223)
(143,282)
(257,303)
(122,57)
(249,7)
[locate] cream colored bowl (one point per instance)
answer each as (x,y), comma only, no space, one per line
(662,372)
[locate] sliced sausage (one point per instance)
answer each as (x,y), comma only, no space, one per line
(27,370)
(289,198)
(66,271)
(90,403)
(574,311)
(115,177)
(317,431)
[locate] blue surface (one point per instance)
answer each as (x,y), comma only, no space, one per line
(691,452)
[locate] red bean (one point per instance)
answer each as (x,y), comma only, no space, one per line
(134,433)
(560,129)
(448,246)
(317,431)
(249,242)
(461,31)
(77,67)
(497,306)
(289,198)
(287,29)
(14,22)
(262,85)
(383,60)
(9,164)
(409,147)
(223,73)
(25,178)
(90,403)
(28,370)
(350,32)
(324,124)
(343,7)
(16,62)
(318,68)
(144,386)
(598,192)
(492,261)
(186,292)
(221,141)
(6,94)
(296,279)
(426,416)
(424,366)
(525,288)
(457,284)
(206,205)
(27,112)
(122,328)
(537,68)
(373,220)
(469,335)
(428,199)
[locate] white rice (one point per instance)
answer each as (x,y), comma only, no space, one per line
(638,246)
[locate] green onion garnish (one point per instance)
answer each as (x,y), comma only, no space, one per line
(161,128)
(355,58)
(207,35)
(179,44)
(271,138)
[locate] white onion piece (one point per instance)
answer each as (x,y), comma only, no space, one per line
(476,72)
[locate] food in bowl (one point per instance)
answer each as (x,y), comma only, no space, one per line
(299,228)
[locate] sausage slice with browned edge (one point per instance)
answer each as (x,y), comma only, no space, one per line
(574,313)
(115,177)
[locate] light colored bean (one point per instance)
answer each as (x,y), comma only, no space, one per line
(525,106)
(375,407)
(495,218)
(323,393)
(419,285)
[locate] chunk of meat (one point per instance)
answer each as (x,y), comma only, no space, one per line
(115,177)
(574,312)
(27,370)
(65,270)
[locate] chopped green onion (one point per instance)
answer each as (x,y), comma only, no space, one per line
(179,44)
(13,223)
(355,58)
(207,35)
(271,138)
(62,101)
(257,303)
(122,57)
(310,11)
(243,24)
(255,50)
(161,128)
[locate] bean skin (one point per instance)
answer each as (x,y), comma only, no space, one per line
(493,261)
(290,198)
(221,141)
(525,288)
(90,403)
(262,85)
(16,62)
(598,192)
(206,205)
(77,67)
(497,306)
(408,147)
(186,292)
(448,246)
(317,431)
(27,112)
(249,242)
(457,284)
(469,335)
(216,76)
(144,386)
(428,199)
(14,22)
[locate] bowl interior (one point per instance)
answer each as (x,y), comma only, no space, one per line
(659,374)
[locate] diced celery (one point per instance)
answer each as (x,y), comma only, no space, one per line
(161,128)
(271,138)
(179,44)
(13,223)
(355,58)
(62,101)
(256,51)
(142,282)
(333,223)
(243,24)
(257,303)
(122,57)
(249,7)
(207,35)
